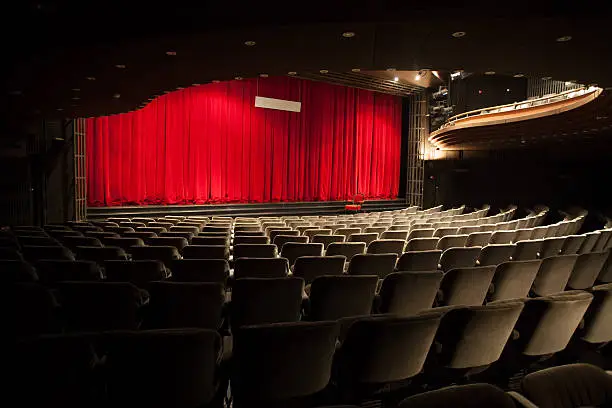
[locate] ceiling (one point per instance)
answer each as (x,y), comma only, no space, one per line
(88,59)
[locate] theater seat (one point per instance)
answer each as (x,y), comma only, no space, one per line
(247,267)
(311,267)
(573,385)
(461,396)
(335,297)
(200,270)
(408,293)
(372,264)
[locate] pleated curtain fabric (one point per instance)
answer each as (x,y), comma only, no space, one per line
(210,144)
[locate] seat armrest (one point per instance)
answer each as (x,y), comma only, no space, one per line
(521,400)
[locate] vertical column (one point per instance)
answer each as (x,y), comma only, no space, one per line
(417,148)
(80,170)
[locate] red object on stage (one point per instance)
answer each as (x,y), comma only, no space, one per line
(355,206)
(209,144)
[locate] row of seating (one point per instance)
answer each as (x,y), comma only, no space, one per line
(357,357)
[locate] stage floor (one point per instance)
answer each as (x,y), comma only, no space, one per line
(241,210)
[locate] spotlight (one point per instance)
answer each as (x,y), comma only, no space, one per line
(90,78)
(355,69)
(391,69)
(436,74)
(395,79)
(418,77)
(455,75)
(249,43)
(490,73)
(459,34)
(324,71)
(120,66)
(171,53)
(348,34)
(291,73)
(564,38)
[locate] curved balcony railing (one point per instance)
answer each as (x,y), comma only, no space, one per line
(519,107)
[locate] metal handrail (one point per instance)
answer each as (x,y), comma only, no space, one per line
(529,103)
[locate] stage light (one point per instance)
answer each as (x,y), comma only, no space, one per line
(324,71)
(249,43)
(455,75)
(564,38)
(171,53)
(546,78)
(238,78)
(459,34)
(490,73)
(518,75)
(195,84)
(480,92)
(355,69)
(395,79)
(120,66)
(59,109)
(436,74)
(215,81)
(263,75)
(90,78)
(291,73)
(117,96)
(348,34)
(391,69)
(418,77)
(507,89)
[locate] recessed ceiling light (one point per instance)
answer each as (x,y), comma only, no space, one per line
(249,43)
(59,109)
(490,73)
(117,96)
(391,69)
(564,38)
(507,89)
(459,34)
(171,53)
(238,78)
(291,73)
(395,79)
(263,75)
(120,66)
(355,69)
(518,75)
(324,71)
(90,78)
(215,81)
(546,78)
(348,34)
(75,98)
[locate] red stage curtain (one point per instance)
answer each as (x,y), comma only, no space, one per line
(209,144)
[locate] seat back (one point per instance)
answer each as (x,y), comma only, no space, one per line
(502,237)
(166,254)
(572,244)
(100,254)
(494,254)
(335,297)
(454,258)
(478,239)
(548,323)
(552,247)
(100,306)
(210,240)
(407,293)
(586,270)
(347,249)
(29,309)
(282,361)
(50,272)
(451,241)
(138,363)
(178,242)
(387,246)
(311,267)
(185,304)
(513,280)
(475,336)
(589,242)
(380,350)
(140,273)
(36,253)
(262,301)
(528,250)
(553,274)
(403,235)
(419,261)
(422,244)
(466,286)
(597,328)
(372,264)
(461,396)
(255,251)
(444,231)
(366,238)
(200,270)
(246,267)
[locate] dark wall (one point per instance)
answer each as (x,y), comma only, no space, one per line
(481,91)
(561,176)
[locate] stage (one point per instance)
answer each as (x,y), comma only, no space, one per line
(241,210)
